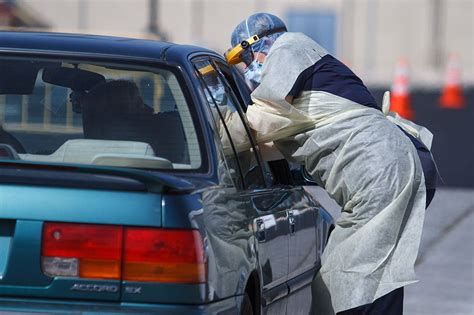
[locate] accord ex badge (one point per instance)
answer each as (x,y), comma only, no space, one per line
(133,290)
(95,288)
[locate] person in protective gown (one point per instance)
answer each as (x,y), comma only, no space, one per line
(319,114)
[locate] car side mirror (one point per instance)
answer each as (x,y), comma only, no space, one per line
(301,177)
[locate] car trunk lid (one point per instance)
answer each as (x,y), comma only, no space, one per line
(25,209)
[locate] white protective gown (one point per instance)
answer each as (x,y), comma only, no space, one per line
(364,162)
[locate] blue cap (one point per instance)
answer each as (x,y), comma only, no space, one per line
(266,24)
(256,24)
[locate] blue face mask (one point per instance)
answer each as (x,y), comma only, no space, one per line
(253,74)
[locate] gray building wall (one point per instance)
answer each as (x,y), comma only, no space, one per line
(370,35)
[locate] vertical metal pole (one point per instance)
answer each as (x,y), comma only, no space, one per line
(153,17)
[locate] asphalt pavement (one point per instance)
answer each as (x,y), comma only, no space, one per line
(445,265)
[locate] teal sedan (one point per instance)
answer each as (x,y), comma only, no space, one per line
(130,182)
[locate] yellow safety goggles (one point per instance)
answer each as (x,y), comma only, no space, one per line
(235,54)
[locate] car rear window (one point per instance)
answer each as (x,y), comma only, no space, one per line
(102,114)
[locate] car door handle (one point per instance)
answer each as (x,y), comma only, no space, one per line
(260,233)
(291,222)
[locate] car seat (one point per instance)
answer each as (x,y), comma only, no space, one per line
(114,110)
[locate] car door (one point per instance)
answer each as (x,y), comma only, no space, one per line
(270,217)
(303,219)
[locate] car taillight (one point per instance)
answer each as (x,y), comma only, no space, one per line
(82,250)
(127,253)
(166,255)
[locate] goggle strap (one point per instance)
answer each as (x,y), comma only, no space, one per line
(233,55)
(255,38)
(273,31)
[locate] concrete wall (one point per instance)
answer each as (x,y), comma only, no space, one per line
(371,34)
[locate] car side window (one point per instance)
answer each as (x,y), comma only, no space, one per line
(239,152)
(242,88)
(277,173)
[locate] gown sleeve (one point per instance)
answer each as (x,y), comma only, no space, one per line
(271,116)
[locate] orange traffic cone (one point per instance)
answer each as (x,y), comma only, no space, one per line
(452,97)
(400,95)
